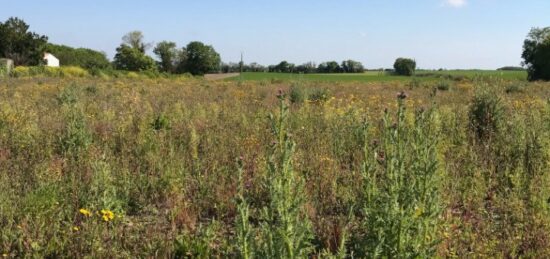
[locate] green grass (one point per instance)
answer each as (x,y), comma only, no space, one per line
(375,76)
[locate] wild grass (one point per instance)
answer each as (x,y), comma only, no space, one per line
(160,167)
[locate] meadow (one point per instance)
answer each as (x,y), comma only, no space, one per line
(380,76)
(105,167)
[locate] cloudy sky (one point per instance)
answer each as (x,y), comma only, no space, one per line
(437,33)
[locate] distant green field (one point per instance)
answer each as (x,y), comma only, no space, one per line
(375,76)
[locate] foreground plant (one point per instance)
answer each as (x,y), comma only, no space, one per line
(401,179)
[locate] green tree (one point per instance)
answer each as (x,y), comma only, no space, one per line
(132,59)
(283,67)
(19,44)
(135,39)
(130,55)
(536,54)
(168,55)
(82,57)
(199,59)
(352,66)
(404,66)
(329,67)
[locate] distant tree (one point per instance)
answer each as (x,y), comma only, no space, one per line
(130,55)
(536,54)
(199,59)
(306,68)
(132,59)
(329,67)
(168,55)
(82,57)
(404,66)
(511,68)
(255,67)
(283,67)
(135,39)
(19,44)
(351,66)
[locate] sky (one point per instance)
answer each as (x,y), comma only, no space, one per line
(451,34)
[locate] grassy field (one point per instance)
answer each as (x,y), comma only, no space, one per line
(191,168)
(375,76)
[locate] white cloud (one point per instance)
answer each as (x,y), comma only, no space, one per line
(456,3)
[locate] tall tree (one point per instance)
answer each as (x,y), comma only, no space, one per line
(404,66)
(135,39)
(130,55)
(168,55)
(352,66)
(19,44)
(536,54)
(199,59)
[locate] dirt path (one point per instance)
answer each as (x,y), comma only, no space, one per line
(220,76)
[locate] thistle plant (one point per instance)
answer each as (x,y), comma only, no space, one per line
(243,228)
(401,204)
(285,229)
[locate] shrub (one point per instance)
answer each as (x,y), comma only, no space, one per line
(21,71)
(515,87)
(415,83)
(318,94)
(72,71)
(486,114)
(297,93)
(444,85)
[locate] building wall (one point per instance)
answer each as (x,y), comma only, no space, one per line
(51,61)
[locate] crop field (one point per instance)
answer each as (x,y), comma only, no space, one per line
(187,167)
(379,76)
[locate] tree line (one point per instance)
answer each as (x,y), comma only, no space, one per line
(27,48)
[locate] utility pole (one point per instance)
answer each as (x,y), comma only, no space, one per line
(241,64)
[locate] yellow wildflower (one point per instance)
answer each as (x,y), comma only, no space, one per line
(107,215)
(75,228)
(85,212)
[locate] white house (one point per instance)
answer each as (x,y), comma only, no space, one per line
(51,60)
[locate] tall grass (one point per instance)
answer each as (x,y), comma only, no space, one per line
(158,167)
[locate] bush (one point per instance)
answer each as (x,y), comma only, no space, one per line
(515,87)
(73,71)
(444,85)
(486,114)
(415,83)
(404,66)
(297,93)
(318,95)
(21,71)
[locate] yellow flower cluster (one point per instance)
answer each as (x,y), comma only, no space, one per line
(85,212)
(106,215)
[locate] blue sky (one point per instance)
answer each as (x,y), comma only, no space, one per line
(437,33)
